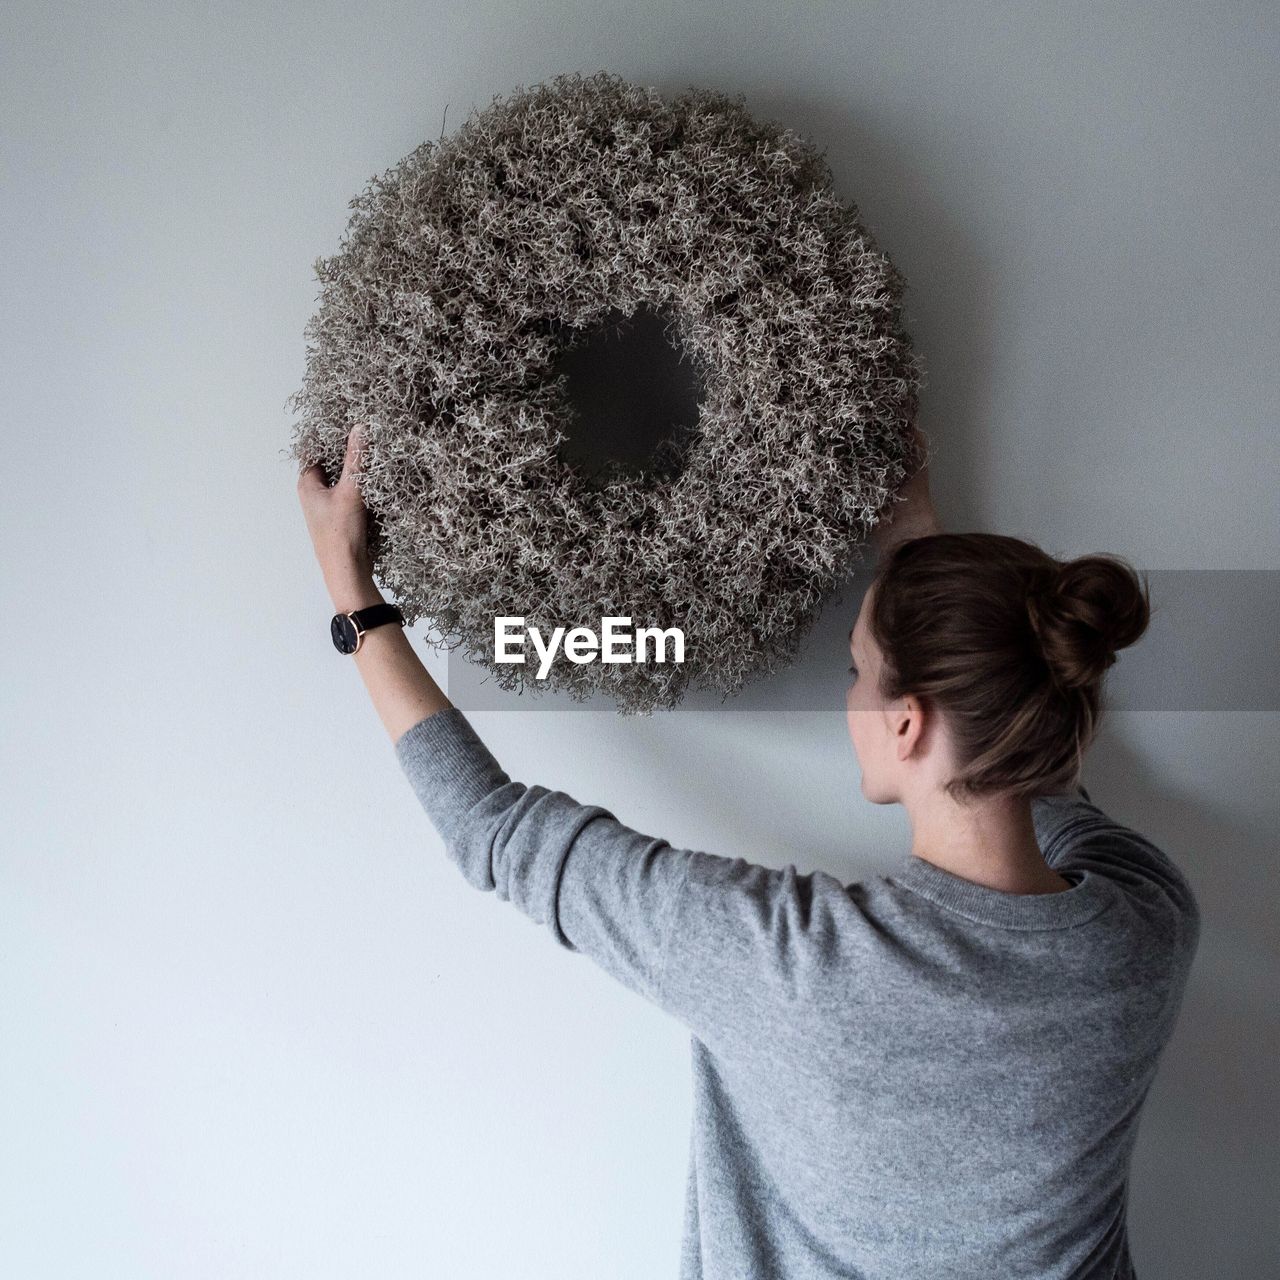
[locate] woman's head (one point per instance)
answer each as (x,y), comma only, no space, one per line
(979,663)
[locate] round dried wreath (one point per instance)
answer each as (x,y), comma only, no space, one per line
(471,265)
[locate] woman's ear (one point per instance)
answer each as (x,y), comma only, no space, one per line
(908,724)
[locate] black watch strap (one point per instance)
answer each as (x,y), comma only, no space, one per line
(348,629)
(376,615)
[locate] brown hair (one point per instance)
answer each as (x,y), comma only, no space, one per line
(1010,645)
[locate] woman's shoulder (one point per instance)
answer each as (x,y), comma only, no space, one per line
(1076,834)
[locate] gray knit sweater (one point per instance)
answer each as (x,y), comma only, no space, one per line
(911,1077)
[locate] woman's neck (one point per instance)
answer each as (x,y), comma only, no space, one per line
(989,842)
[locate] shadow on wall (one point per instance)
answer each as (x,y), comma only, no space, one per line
(633,396)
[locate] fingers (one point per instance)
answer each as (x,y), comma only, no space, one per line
(314,477)
(354,452)
(919,446)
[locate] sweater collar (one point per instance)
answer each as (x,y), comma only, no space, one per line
(1089,894)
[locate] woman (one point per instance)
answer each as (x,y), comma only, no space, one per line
(935,1073)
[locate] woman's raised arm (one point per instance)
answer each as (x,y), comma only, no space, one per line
(402,689)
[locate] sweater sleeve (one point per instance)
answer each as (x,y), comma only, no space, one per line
(720,943)
(601,888)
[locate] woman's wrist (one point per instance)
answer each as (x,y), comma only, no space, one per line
(352,587)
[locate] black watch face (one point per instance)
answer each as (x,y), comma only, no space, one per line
(344,633)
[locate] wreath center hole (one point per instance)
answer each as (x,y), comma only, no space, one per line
(633,398)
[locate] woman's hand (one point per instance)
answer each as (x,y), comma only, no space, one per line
(402,689)
(911,514)
(338,521)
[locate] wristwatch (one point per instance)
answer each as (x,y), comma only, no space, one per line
(348,629)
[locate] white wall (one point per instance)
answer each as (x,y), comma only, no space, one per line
(251,1022)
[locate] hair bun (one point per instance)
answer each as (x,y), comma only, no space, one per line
(1085,611)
